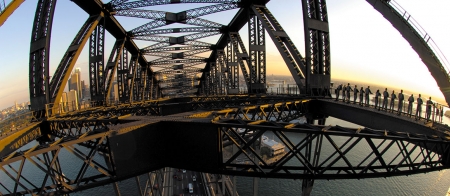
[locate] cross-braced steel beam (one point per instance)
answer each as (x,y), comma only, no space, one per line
(257,57)
(39,56)
(284,44)
(96,63)
(317,47)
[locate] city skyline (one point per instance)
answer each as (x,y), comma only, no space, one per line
(364,45)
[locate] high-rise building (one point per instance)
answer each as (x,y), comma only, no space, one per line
(64,101)
(75,83)
(115,91)
(72,100)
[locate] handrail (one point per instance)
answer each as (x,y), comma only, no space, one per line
(423,34)
(6,11)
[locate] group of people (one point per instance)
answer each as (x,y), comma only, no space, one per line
(381,101)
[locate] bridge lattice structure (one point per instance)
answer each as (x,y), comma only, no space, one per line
(175,65)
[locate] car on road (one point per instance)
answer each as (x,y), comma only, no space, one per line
(184,171)
(194,178)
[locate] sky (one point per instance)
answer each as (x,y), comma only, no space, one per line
(364,45)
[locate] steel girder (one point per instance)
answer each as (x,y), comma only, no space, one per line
(333,151)
(188,47)
(137,83)
(122,77)
(55,177)
(317,46)
(222,72)
(62,73)
(145,3)
(280,112)
(152,25)
(131,77)
(148,85)
(177,30)
(178,17)
(111,67)
(257,58)
(285,46)
(232,67)
(176,40)
(96,63)
(39,56)
(241,54)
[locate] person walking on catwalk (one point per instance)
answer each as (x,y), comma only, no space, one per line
(393,97)
(361,96)
(385,99)
(410,105)
(377,96)
(368,92)
(428,108)
(400,102)
(349,88)
(419,108)
(355,94)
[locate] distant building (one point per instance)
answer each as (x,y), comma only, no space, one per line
(116,91)
(72,100)
(75,83)
(64,101)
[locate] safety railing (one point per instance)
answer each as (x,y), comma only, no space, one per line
(2,5)
(423,34)
(66,107)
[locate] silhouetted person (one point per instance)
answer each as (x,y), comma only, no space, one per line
(428,108)
(368,92)
(338,89)
(419,108)
(349,88)
(355,94)
(385,99)
(377,96)
(442,113)
(400,102)
(411,101)
(361,96)
(437,114)
(393,97)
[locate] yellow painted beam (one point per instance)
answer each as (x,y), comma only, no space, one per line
(7,141)
(12,6)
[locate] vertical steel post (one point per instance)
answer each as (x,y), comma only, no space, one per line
(317,47)
(96,63)
(257,54)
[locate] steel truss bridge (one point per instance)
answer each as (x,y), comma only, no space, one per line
(210,124)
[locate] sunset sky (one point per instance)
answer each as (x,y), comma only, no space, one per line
(364,45)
